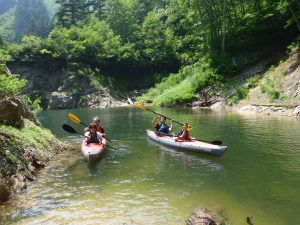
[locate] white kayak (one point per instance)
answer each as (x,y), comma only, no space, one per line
(193,145)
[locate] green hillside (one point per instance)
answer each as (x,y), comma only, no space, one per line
(9,27)
(6,24)
(52,7)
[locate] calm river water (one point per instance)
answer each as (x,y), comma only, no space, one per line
(145,183)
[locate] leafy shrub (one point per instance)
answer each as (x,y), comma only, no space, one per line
(253,81)
(232,100)
(271,87)
(242,91)
(11,85)
(294,45)
(181,87)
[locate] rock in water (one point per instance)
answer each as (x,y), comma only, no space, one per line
(200,220)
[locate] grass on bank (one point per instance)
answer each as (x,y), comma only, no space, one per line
(181,87)
(25,146)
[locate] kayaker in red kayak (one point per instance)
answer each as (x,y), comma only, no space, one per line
(92,135)
(162,127)
(96,120)
(184,134)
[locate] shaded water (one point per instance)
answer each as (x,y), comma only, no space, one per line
(145,183)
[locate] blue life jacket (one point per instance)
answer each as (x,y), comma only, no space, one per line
(93,139)
(163,128)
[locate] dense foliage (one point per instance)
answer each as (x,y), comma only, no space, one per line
(139,42)
(11,85)
(19,18)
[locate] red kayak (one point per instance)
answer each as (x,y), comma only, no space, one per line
(93,151)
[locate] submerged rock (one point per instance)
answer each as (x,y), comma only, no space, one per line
(203,218)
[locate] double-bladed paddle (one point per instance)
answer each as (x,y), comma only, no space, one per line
(77,120)
(73,131)
(143,107)
(188,128)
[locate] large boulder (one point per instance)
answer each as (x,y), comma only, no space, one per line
(62,100)
(13,111)
(203,217)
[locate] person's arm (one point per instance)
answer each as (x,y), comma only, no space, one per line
(102,132)
(171,128)
(99,136)
(86,135)
(154,120)
(189,136)
(86,129)
(183,135)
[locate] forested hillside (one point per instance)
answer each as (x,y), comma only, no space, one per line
(178,47)
(19,18)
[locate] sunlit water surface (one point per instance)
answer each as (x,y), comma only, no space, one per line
(145,183)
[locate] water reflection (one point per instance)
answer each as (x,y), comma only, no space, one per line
(144,182)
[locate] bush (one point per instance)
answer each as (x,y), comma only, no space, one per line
(253,81)
(242,91)
(271,87)
(181,87)
(233,100)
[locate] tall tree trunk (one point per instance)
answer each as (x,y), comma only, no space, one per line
(213,22)
(297,22)
(257,6)
(243,7)
(236,18)
(224,25)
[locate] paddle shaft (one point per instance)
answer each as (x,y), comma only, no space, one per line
(72,130)
(163,116)
(77,120)
(105,144)
(105,138)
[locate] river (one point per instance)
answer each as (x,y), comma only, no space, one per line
(143,182)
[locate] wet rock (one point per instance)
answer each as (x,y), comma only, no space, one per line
(203,218)
(13,111)
(296,112)
(248,219)
(218,105)
(61,100)
(200,220)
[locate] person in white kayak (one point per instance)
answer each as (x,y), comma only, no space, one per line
(161,127)
(184,134)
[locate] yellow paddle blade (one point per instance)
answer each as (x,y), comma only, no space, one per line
(74,118)
(189,127)
(138,105)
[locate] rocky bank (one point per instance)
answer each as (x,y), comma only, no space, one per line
(64,88)
(61,89)
(277,91)
(25,146)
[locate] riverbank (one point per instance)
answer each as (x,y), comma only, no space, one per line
(24,151)
(262,89)
(25,146)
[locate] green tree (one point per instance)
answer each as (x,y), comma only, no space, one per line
(27,15)
(123,18)
(70,12)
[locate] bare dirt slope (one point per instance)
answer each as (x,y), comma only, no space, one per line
(277,90)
